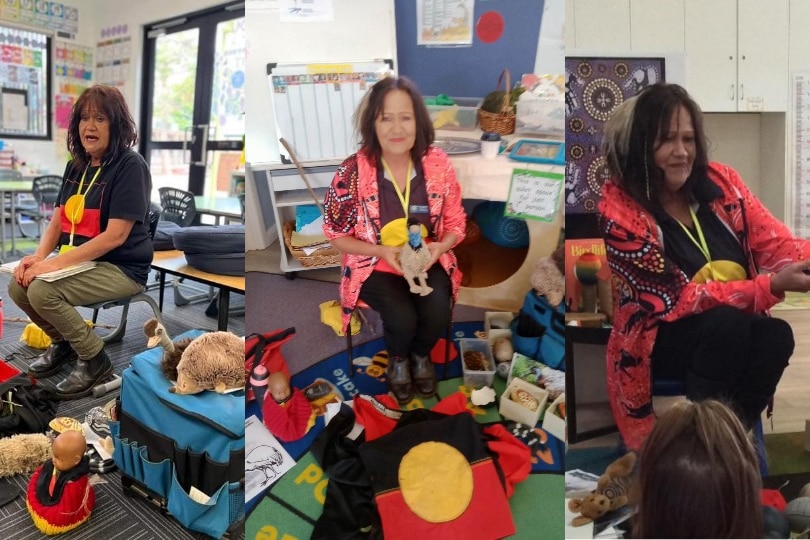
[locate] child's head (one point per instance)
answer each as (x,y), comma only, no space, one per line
(279,387)
(699,476)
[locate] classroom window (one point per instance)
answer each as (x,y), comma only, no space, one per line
(24,84)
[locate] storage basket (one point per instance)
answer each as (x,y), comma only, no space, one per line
(322,257)
(502,122)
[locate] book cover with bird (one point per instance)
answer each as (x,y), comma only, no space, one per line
(585,264)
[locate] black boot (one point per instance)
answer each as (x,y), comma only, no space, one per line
(49,362)
(399,379)
(424,375)
(86,375)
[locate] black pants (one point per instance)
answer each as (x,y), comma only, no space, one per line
(725,354)
(411,323)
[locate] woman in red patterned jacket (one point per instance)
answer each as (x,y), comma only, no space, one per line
(397,175)
(697,261)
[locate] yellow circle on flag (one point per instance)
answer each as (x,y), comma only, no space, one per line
(74,208)
(436,481)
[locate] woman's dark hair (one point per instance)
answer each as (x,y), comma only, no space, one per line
(698,476)
(372,106)
(123,131)
(631,134)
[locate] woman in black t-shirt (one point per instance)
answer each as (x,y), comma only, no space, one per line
(101,216)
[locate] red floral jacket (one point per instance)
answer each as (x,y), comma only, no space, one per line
(648,287)
(352,208)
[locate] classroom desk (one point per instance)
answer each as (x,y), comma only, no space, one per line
(12,187)
(219,207)
(174,262)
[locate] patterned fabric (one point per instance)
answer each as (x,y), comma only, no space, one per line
(648,287)
(352,208)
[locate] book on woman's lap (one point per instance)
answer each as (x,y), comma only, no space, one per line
(56,275)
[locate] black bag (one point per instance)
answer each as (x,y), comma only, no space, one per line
(26,407)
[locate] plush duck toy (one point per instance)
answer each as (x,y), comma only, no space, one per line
(172,350)
(60,497)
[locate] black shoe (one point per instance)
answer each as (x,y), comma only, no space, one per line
(86,375)
(424,375)
(49,362)
(399,379)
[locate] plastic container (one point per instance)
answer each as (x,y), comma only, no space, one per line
(463,116)
(513,410)
(477,378)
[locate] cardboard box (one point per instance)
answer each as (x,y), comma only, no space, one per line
(554,421)
(477,378)
(512,410)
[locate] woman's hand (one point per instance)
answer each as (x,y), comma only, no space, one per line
(390,255)
(794,277)
(437,249)
(39,267)
(25,263)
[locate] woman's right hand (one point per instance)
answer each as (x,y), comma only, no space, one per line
(25,263)
(794,277)
(390,255)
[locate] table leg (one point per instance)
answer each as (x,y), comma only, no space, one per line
(224,305)
(13,224)
(162,280)
(3,224)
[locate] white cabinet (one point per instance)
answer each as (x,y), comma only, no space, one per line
(287,192)
(599,25)
(657,27)
(799,48)
(737,54)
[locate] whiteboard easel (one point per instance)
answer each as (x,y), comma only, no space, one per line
(313,105)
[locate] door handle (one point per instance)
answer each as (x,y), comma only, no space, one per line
(188,138)
(731,92)
(197,142)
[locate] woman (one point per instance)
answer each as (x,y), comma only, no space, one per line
(697,261)
(101,216)
(394,176)
(698,476)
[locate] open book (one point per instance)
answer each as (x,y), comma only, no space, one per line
(8,268)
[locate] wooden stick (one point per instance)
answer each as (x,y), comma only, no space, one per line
(26,321)
(289,149)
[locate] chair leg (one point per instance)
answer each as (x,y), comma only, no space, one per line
(118,334)
(350,351)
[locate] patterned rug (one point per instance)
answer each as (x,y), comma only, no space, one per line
(292,504)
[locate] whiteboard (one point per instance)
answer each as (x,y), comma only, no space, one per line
(313,105)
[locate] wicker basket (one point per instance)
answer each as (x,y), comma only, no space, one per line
(321,257)
(502,122)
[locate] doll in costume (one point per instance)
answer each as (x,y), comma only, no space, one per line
(286,411)
(60,497)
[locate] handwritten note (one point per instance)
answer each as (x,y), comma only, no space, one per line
(534,195)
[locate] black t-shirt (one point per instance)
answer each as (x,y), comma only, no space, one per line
(391,206)
(121,191)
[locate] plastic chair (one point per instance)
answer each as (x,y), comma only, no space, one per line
(178,206)
(45,190)
(361,305)
(117,333)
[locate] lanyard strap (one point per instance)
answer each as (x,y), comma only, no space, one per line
(81,182)
(702,246)
(405,200)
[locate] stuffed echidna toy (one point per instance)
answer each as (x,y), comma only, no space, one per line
(212,361)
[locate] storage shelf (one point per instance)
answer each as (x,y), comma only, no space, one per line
(298,197)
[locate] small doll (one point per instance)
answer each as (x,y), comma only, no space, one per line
(286,411)
(60,497)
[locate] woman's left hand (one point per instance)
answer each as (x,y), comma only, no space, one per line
(436,250)
(39,267)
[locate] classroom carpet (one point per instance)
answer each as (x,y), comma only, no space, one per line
(291,506)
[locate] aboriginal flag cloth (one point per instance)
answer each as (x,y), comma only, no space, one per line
(434,478)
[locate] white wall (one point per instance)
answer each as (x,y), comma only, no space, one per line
(93,16)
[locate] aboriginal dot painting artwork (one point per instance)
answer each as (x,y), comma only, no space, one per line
(594,87)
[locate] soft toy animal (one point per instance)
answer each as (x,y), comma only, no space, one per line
(613,491)
(413,259)
(172,351)
(23,453)
(212,361)
(547,280)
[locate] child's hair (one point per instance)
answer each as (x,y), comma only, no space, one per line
(698,476)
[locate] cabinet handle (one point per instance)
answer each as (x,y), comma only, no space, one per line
(731,92)
(742,92)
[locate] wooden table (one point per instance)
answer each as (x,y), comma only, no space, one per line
(174,262)
(220,207)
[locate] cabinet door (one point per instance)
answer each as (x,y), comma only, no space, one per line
(657,27)
(762,48)
(570,26)
(711,53)
(799,49)
(602,25)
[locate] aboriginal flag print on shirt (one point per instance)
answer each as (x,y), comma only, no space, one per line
(121,191)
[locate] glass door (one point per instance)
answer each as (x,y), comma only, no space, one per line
(194,99)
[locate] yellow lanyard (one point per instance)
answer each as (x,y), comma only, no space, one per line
(77,201)
(702,246)
(81,182)
(404,199)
